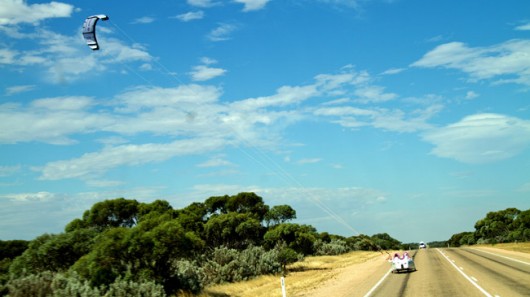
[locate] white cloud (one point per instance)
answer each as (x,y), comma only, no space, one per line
(64,58)
(13,12)
(18,89)
(9,170)
(190,113)
(190,16)
(222,32)
(480,138)
(506,62)
(392,71)
(395,120)
(217,161)
(471,95)
(203,73)
(202,3)
(524,27)
(96,163)
(144,20)
(285,95)
(309,161)
(373,94)
(251,5)
(49,120)
(7,56)
(25,197)
(181,97)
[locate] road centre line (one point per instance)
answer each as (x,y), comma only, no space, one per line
(378,283)
(465,275)
(523,262)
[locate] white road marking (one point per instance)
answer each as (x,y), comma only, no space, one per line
(467,277)
(475,279)
(523,262)
(378,283)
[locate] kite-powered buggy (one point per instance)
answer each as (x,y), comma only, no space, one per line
(403,263)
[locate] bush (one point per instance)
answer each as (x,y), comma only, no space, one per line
(35,285)
(334,247)
(188,276)
(72,286)
(230,265)
(124,288)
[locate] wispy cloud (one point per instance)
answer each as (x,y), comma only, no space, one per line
(204,72)
(222,32)
(9,170)
(203,3)
(190,16)
(471,95)
(217,161)
(251,5)
(373,94)
(524,27)
(393,71)
(144,20)
(96,163)
(309,161)
(508,62)
(63,58)
(18,89)
(13,12)
(480,138)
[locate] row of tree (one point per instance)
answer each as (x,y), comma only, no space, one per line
(122,242)
(509,225)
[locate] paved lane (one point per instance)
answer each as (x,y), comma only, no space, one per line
(459,272)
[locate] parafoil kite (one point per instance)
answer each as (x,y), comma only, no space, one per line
(89,30)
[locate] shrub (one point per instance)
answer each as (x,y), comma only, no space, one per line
(35,285)
(230,265)
(334,247)
(124,288)
(72,286)
(188,276)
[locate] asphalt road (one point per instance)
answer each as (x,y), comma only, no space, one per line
(455,272)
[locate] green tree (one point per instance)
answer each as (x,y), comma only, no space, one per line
(119,212)
(279,214)
(233,230)
(385,241)
(496,226)
(53,252)
(300,238)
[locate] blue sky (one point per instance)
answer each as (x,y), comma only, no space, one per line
(407,117)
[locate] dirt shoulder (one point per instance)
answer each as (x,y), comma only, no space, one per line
(314,276)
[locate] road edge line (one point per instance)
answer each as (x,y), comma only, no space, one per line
(465,275)
(378,283)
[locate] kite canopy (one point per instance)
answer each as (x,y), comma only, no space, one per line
(89,30)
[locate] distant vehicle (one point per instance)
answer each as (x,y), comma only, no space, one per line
(403,263)
(423,245)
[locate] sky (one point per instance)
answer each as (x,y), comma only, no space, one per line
(405,117)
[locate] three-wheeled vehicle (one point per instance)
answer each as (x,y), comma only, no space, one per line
(403,263)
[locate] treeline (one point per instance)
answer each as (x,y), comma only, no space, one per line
(122,247)
(509,225)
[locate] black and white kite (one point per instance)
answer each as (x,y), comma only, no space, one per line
(89,30)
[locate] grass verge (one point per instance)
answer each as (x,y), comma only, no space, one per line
(303,276)
(523,247)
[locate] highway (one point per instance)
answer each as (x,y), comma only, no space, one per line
(453,272)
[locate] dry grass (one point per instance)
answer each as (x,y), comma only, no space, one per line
(523,247)
(302,277)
